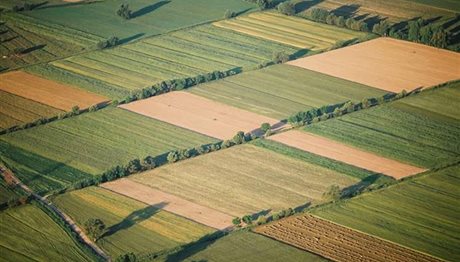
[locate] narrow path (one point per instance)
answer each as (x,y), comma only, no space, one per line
(8,174)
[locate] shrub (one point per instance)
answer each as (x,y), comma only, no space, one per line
(236,221)
(247,219)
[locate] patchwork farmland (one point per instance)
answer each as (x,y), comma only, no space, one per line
(132,225)
(405,69)
(245,180)
(94,143)
(271,91)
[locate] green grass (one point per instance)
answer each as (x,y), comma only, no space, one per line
(245,180)
(132,226)
(28,234)
(57,154)
(16,110)
(242,246)
(180,54)
(422,130)
(281,90)
(421,213)
(151,17)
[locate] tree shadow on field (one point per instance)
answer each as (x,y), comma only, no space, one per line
(150,8)
(243,11)
(374,180)
(33,48)
(304,5)
(134,218)
(346,11)
(130,38)
(188,250)
(261,213)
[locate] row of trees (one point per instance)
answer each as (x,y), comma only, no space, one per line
(320,114)
(324,16)
(249,220)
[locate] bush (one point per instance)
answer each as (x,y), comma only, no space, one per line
(236,221)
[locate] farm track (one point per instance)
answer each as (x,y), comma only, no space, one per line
(69,221)
(336,242)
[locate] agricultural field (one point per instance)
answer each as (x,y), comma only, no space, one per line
(291,31)
(147,17)
(58,154)
(176,205)
(179,54)
(28,234)
(200,115)
(350,155)
(245,180)
(242,246)
(56,95)
(421,130)
(16,110)
(131,225)
(421,213)
(336,242)
(281,90)
(396,65)
(6,193)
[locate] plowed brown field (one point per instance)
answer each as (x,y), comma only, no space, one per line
(47,92)
(176,205)
(388,64)
(331,149)
(200,114)
(336,242)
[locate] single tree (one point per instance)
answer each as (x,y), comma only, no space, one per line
(124,11)
(95,228)
(236,221)
(229,14)
(128,257)
(247,219)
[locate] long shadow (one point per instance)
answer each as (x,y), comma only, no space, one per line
(300,53)
(261,213)
(346,11)
(243,11)
(193,248)
(130,38)
(304,5)
(33,48)
(302,207)
(451,22)
(9,39)
(373,20)
(150,8)
(135,218)
(364,184)
(404,24)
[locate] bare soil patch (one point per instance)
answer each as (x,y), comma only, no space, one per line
(48,92)
(200,114)
(174,204)
(336,242)
(334,150)
(388,64)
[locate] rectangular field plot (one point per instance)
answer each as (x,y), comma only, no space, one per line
(175,205)
(245,180)
(336,242)
(131,225)
(422,129)
(340,152)
(16,110)
(288,30)
(28,234)
(388,64)
(44,91)
(63,152)
(243,246)
(422,213)
(281,90)
(180,54)
(199,114)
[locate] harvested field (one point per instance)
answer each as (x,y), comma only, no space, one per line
(174,204)
(336,242)
(47,92)
(347,154)
(16,110)
(421,130)
(289,30)
(199,114)
(245,180)
(422,213)
(131,225)
(388,64)
(281,90)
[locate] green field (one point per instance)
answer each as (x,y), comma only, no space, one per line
(242,246)
(16,110)
(245,180)
(451,5)
(57,154)
(6,193)
(132,226)
(28,234)
(289,30)
(422,213)
(422,130)
(281,90)
(149,17)
(179,54)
